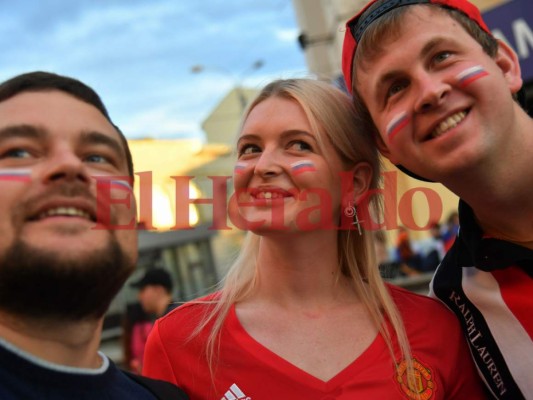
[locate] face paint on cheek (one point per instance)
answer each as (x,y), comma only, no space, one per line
(15,174)
(470,75)
(299,167)
(240,167)
(115,203)
(121,184)
(397,123)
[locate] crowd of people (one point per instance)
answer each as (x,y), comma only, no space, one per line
(408,257)
(424,255)
(303,313)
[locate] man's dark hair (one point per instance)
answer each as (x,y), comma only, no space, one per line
(45,81)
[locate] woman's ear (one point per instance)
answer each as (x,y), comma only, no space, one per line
(507,61)
(362,179)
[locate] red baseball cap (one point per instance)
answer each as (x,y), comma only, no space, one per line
(356,26)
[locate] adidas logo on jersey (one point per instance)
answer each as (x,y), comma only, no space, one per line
(235,393)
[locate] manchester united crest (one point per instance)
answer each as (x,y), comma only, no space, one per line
(422,385)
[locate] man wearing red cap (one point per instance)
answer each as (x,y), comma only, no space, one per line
(439,91)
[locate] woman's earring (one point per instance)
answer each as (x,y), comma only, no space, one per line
(351,212)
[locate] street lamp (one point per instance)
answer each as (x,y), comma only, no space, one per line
(237,79)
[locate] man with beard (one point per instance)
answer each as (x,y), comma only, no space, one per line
(68,242)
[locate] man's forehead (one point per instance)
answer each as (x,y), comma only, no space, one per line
(396,30)
(46,99)
(55,109)
(48,114)
(392,40)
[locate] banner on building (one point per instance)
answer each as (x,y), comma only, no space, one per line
(512,21)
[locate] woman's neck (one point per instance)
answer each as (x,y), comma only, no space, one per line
(301,268)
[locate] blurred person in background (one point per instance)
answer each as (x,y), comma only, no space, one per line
(431,248)
(136,327)
(451,230)
(410,261)
(155,300)
(155,292)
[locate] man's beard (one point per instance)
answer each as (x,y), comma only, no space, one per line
(39,284)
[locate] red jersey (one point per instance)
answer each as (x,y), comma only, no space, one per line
(247,370)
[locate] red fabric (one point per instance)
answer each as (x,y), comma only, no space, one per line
(449,243)
(446,370)
(139,335)
(515,288)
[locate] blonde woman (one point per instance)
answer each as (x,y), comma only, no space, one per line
(303,312)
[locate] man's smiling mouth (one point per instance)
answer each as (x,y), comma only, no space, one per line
(65,212)
(269,195)
(449,123)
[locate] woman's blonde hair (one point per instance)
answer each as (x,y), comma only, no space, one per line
(332,118)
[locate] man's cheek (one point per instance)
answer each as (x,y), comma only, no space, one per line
(396,125)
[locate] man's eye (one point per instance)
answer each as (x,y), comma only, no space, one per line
(299,145)
(396,88)
(249,149)
(97,158)
(16,153)
(443,55)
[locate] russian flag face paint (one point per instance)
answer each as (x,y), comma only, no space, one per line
(299,167)
(105,183)
(15,174)
(120,184)
(399,122)
(240,167)
(470,75)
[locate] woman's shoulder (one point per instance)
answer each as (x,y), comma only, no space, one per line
(427,321)
(420,307)
(189,314)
